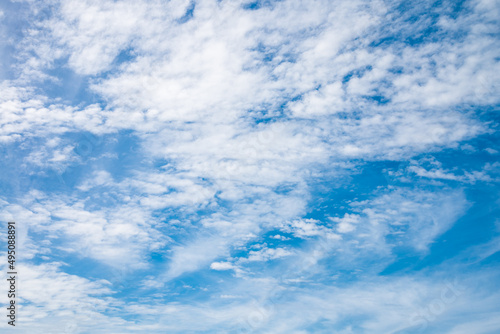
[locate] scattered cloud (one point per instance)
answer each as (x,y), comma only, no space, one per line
(257,160)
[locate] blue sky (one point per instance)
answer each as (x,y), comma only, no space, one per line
(252,167)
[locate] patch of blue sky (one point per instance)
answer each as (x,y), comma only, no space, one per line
(351,324)
(256,5)
(418,23)
(93,152)
(76,89)
(269,112)
(465,172)
(14,177)
(476,226)
(188,15)
(13,22)
(88,153)
(70,87)
(273,54)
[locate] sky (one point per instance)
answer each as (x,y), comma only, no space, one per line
(235,166)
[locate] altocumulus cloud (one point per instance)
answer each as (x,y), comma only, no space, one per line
(252,166)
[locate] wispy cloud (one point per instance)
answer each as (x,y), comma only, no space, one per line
(261,161)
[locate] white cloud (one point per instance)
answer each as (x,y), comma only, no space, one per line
(267,254)
(47,294)
(446,175)
(124,235)
(305,228)
(408,218)
(246,110)
(491,150)
(279,237)
(347,223)
(221,266)
(433,169)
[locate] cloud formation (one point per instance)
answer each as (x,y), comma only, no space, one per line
(273,166)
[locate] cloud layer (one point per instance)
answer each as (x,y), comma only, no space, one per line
(272,166)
